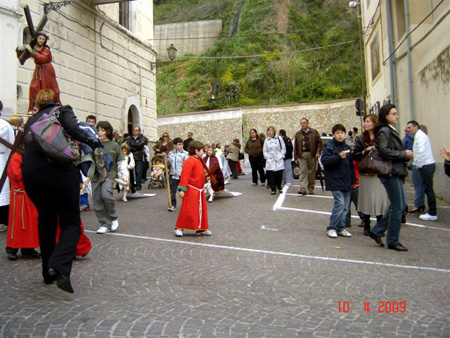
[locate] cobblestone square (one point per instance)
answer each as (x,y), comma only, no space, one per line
(268,270)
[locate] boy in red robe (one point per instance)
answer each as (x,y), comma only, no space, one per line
(193,214)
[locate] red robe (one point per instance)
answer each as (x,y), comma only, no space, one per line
(44,76)
(23,215)
(215,170)
(84,245)
(193,214)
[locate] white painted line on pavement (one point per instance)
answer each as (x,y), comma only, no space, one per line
(313,196)
(280,199)
(276,207)
(277,253)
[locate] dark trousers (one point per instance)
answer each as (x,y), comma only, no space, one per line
(139,169)
(391,221)
(274,179)
(233,167)
(173,190)
(132,181)
(426,176)
(56,194)
(257,165)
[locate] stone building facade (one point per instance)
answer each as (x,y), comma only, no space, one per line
(225,125)
(102,63)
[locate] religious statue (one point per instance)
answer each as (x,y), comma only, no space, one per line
(44,76)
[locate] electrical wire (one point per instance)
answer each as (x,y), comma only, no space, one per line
(420,23)
(269,54)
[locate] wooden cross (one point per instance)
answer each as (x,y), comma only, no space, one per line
(14,149)
(25,54)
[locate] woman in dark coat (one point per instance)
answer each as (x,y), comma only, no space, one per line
(55,191)
(390,147)
(254,149)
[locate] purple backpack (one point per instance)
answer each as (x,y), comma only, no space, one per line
(48,136)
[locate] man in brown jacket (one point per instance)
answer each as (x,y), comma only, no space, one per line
(308,147)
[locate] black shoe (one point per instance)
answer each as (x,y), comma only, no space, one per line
(273,192)
(13,257)
(376,238)
(62,281)
(397,247)
(417,209)
(362,224)
(30,254)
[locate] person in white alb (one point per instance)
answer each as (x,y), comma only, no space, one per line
(425,163)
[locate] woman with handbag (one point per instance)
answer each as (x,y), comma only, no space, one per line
(274,151)
(390,148)
(55,191)
(372,197)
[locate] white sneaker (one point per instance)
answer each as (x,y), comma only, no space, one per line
(114,225)
(344,233)
(211,198)
(178,232)
(171,209)
(332,233)
(426,217)
(204,233)
(102,230)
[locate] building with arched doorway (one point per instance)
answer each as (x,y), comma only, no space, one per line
(101,56)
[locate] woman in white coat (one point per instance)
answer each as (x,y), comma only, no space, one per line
(274,151)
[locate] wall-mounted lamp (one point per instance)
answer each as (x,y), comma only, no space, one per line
(172,53)
(54,6)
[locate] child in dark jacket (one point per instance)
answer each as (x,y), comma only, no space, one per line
(339,178)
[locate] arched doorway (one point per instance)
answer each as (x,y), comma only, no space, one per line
(132,114)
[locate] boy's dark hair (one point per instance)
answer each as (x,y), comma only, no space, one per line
(195,145)
(337,127)
(91,117)
(107,127)
(177,140)
(355,130)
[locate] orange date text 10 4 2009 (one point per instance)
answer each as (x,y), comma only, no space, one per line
(383,307)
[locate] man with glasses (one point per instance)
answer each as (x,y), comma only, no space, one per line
(136,142)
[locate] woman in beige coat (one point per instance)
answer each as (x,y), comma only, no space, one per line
(233,157)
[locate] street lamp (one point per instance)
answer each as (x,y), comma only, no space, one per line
(172,53)
(357,4)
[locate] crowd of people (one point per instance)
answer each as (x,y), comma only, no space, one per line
(45,200)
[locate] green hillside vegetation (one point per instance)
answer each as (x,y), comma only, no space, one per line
(314,74)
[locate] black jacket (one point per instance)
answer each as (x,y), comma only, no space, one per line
(390,147)
(289,148)
(33,158)
(339,173)
(137,147)
(360,146)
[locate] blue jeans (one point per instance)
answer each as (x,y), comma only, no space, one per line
(173,190)
(426,175)
(84,199)
(338,218)
(391,221)
(354,199)
(419,194)
(287,172)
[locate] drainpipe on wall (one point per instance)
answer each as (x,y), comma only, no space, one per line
(408,51)
(392,69)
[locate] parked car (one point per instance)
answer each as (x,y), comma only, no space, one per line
(295,166)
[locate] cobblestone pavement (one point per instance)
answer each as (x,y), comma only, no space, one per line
(263,273)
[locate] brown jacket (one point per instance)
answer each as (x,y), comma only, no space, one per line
(254,148)
(314,140)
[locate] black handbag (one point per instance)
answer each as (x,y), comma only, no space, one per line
(374,164)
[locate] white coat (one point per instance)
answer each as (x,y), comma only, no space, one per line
(6,133)
(274,150)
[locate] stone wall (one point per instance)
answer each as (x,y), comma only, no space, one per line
(101,68)
(186,37)
(225,125)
